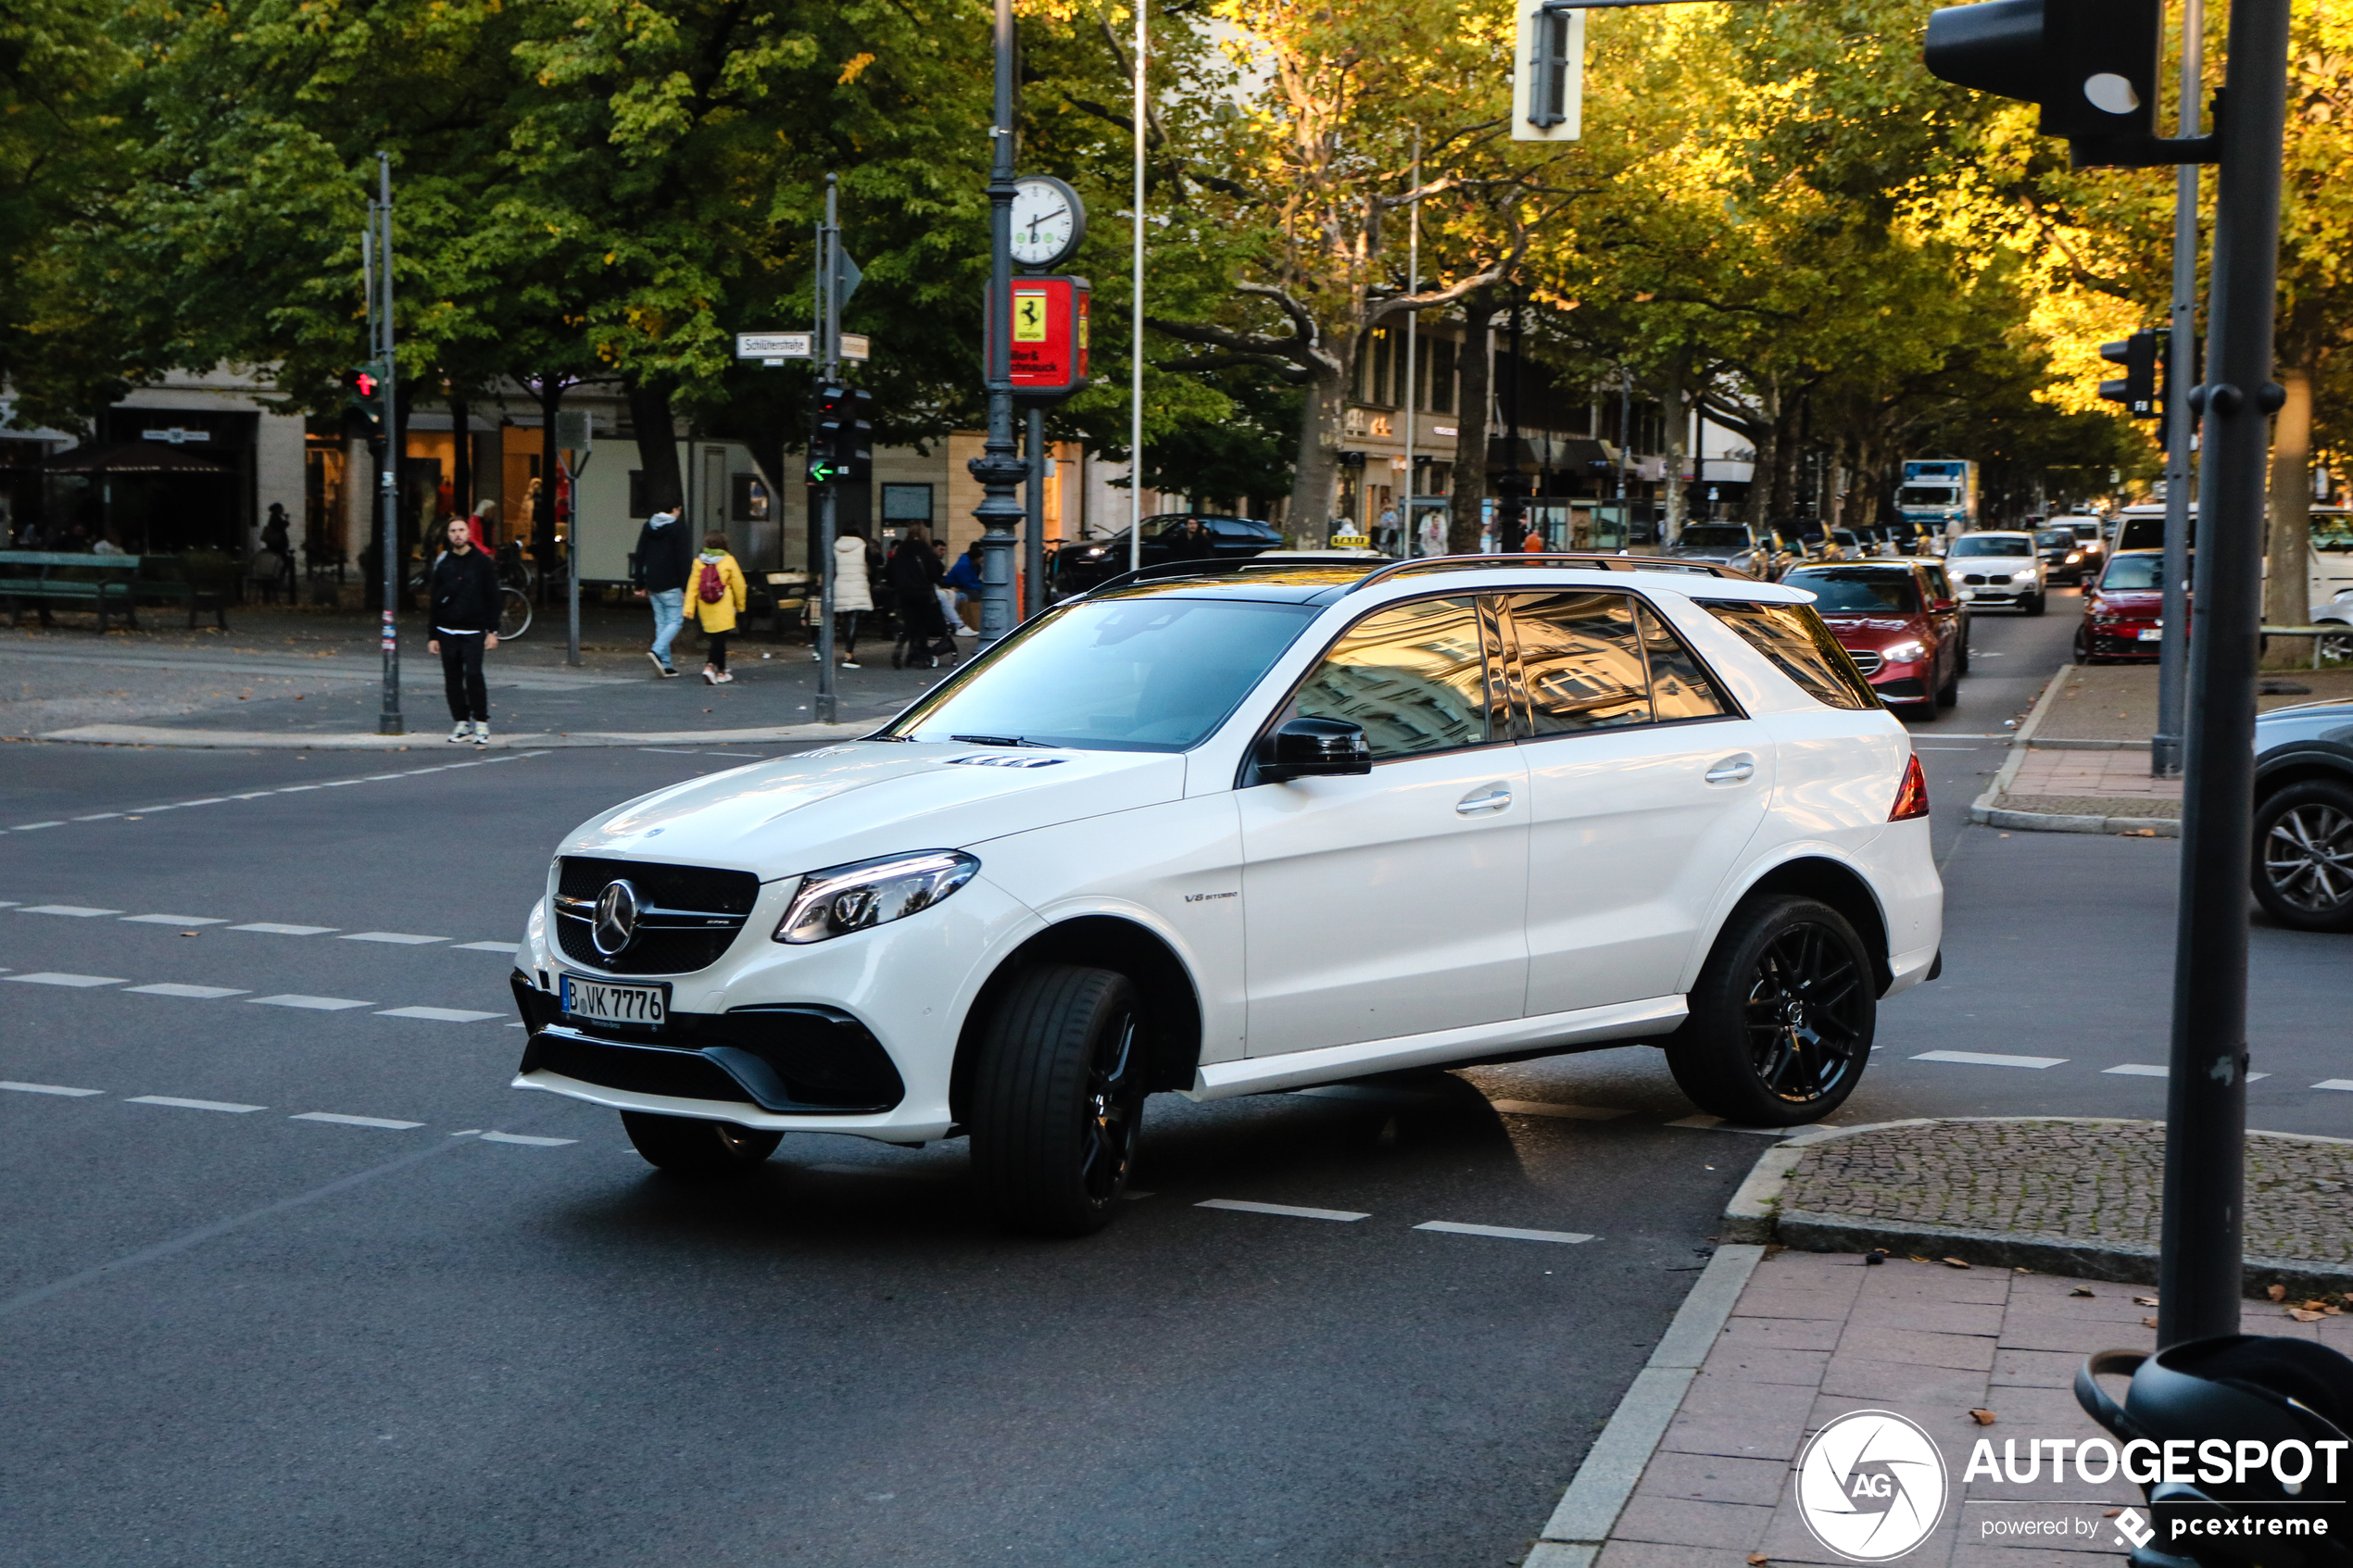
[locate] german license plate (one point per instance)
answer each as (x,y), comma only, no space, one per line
(2151,635)
(600,1001)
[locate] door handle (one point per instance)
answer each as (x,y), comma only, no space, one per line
(1733,770)
(1495,797)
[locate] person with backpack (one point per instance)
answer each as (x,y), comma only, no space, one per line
(719,597)
(463,592)
(665,559)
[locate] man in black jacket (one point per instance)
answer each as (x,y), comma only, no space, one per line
(665,558)
(464,592)
(915,573)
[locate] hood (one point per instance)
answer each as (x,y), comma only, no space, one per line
(1871,631)
(2129,601)
(865,798)
(1709,552)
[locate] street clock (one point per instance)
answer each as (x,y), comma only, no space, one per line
(1048,222)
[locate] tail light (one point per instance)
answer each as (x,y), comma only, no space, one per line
(1911,796)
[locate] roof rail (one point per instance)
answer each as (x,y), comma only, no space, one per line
(1587,560)
(1270,561)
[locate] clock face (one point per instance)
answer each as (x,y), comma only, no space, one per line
(1048,220)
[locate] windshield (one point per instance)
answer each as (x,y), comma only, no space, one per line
(2085,530)
(1133,674)
(1926,496)
(1859,593)
(2128,573)
(2055,539)
(1715,537)
(1990,545)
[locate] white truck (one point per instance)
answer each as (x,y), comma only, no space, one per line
(1938,495)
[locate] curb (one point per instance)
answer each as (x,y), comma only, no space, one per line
(276,740)
(1589,1509)
(1986,809)
(1755,1216)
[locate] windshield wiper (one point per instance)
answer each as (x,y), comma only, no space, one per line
(1001,740)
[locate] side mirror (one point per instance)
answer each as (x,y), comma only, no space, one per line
(1307,748)
(1947,607)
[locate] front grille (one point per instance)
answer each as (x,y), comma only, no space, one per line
(1974,578)
(799,1059)
(692,913)
(1865,661)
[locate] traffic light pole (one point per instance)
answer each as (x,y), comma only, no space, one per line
(388,718)
(999,467)
(2206,1085)
(1033,539)
(2165,746)
(829,360)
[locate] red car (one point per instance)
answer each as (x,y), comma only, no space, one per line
(2123,613)
(1908,637)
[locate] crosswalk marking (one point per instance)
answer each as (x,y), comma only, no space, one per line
(230,1106)
(1508,1233)
(1989,1058)
(1287,1210)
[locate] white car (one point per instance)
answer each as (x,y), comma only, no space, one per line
(1226,828)
(1998,569)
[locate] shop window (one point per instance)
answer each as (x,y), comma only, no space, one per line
(747,500)
(904,504)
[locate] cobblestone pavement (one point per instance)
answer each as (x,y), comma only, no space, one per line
(1817,1335)
(2091,772)
(2084,1181)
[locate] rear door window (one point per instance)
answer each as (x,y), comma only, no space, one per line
(1603,661)
(1794,638)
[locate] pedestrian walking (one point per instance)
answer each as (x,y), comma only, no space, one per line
(854,595)
(665,559)
(462,592)
(278,539)
(965,578)
(1387,541)
(1534,543)
(719,597)
(913,573)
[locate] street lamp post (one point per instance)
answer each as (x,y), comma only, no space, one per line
(388,718)
(999,467)
(2165,746)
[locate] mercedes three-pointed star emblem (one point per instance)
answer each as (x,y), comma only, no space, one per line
(616,923)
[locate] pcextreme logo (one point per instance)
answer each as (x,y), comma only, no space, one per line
(1870,1485)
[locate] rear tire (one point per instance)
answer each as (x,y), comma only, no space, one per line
(1058,1099)
(2303,863)
(1950,691)
(2084,647)
(683,1146)
(1782,1016)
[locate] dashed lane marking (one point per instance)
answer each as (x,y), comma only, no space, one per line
(1287,1210)
(398,938)
(137,813)
(1990,1058)
(315,1004)
(274,928)
(508,947)
(193,993)
(266,928)
(49,977)
(2335,1083)
(48,1089)
(178,1103)
(1508,1233)
(436,1015)
(2152,1070)
(78,912)
(1547,1108)
(172,919)
(354,1121)
(527,1142)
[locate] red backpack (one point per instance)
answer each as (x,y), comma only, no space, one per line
(711,588)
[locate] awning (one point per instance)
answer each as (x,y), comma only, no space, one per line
(133,457)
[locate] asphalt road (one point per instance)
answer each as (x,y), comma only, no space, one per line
(303,1282)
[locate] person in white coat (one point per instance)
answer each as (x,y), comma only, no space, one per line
(853,597)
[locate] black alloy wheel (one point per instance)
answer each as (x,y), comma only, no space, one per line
(2303,871)
(1782,1016)
(683,1146)
(1058,1098)
(1950,691)
(2083,654)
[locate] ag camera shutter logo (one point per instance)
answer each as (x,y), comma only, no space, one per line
(1870,1485)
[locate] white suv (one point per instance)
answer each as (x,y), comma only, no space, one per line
(1226,828)
(1998,569)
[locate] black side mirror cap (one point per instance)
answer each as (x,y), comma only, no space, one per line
(1307,749)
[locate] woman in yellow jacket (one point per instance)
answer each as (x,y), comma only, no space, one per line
(715,594)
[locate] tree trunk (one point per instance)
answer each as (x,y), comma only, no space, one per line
(1469,496)
(657,447)
(1781,501)
(2286,583)
(1322,418)
(461,473)
(1765,465)
(1678,420)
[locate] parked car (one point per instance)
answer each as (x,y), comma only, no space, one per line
(2061,553)
(2337,611)
(1081,565)
(1998,568)
(1227,832)
(2303,863)
(1883,613)
(1764,554)
(2124,612)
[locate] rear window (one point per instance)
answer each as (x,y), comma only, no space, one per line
(1992,545)
(1797,643)
(1714,537)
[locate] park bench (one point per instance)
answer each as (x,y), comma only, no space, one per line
(103,583)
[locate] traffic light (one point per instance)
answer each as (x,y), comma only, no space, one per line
(1548,72)
(363,399)
(2091,64)
(2137,388)
(843,445)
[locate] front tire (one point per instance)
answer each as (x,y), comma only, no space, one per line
(1782,1016)
(1058,1099)
(2037,603)
(2303,870)
(682,1145)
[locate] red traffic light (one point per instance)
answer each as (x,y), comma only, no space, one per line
(364,383)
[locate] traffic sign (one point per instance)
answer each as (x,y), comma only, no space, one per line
(856,346)
(775,346)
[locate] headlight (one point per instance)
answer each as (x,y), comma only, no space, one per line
(2074,557)
(1967,594)
(1904,653)
(840,899)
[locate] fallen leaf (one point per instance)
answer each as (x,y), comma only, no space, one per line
(1916,1258)
(2314,1306)
(2149,1323)
(1955,1263)
(1757,1560)
(2111,1513)
(2300,1315)
(1983,1418)
(2144,1300)
(2277,1292)
(2080,1290)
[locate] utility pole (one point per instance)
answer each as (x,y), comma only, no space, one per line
(2206,1083)
(1136,320)
(2181,424)
(828,347)
(388,718)
(999,467)
(1512,484)
(1033,544)
(1412,320)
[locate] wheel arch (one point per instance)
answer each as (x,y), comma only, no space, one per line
(2301,765)
(1171,1000)
(1834,882)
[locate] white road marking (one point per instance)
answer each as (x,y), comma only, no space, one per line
(213,800)
(35,827)
(49,977)
(1546,1108)
(2150,1070)
(1989,1058)
(78,912)
(488,947)
(1289,1210)
(272,928)
(316,1003)
(2335,1083)
(196,993)
(353,1120)
(752,755)
(7,903)
(1509,1233)
(195,1104)
(48,1089)
(172,920)
(518,1137)
(667,750)
(401,939)
(98,817)
(436,1015)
